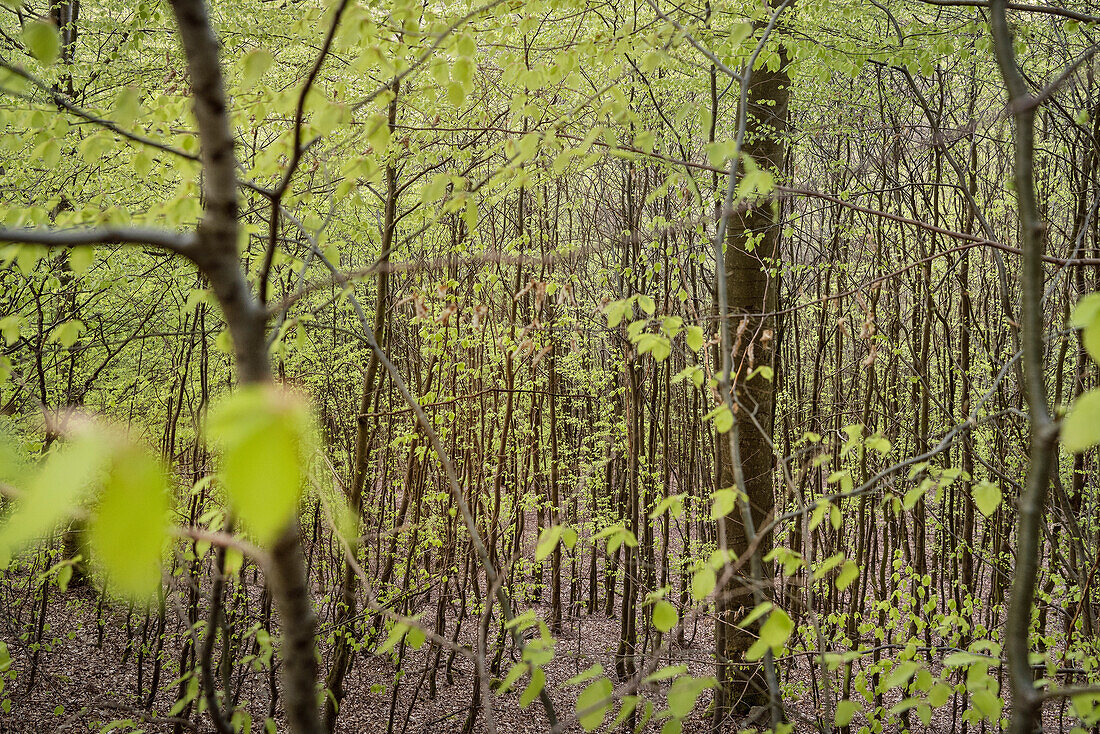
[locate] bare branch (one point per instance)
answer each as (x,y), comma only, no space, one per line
(1025,7)
(181,243)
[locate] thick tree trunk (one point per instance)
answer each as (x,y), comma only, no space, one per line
(752,242)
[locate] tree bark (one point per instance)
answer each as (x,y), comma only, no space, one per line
(752,242)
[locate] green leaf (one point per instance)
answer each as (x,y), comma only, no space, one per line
(81,258)
(694,338)
(127,105)
(1086,315)
(849,572)
(466,45)
(669,671)
(435,189)
(128,531)
(415,637)
(901,673)
(819,514)
(828,565)
(1086,311)
(234,559)
(255,65)
(654,344)
(596,696)
(758,611)
(397,633)
(646,303)
(42,40)
(685,692)
(585,675)
(615,311)
(904,705)
(548,541)
(533,689)
(724,502)
(664,616)
(1081,427)
(845,712)
(939,694)
(702,583)
(987,497)
(1090,338)
(53,493)
(629,704)
(64,576)
(10,328)
(456,94)
(619,536)
(774,633)
(958,659)
(1085,707)
(462,71)
(764,371)
(674,502)
(67,333)
(723,419)
(513,675)
(879,444)
(988,704)
(263,433)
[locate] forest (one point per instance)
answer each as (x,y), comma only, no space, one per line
(545,366)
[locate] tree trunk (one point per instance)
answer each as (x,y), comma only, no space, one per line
(752,241)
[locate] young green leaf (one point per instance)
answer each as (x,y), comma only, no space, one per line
(513,675)
(533,689)
(263,433)
(585,675)
(42,40)
(593,703)
(845,711)
(664,616)
(548,541)
(724,500)
(628,706)
(901,673)
(685,692)
(67,333)
(415,637)
(397,633)
(1081,427)
(758,611)
(255,65)
(849,572)
(129,528)
(81,258)
(774,633)
(673,503)
(54,492)
(694,338)
(702,583)
(987,497)
(723,419)
(669,671)
(10,329)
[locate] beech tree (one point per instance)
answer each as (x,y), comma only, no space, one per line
(564,366)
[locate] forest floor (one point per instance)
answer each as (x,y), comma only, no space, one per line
(82,686)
